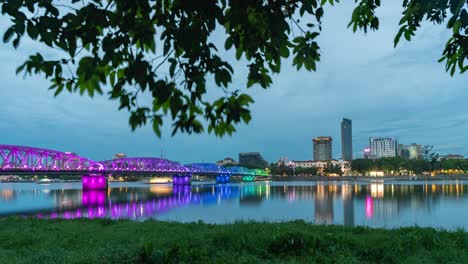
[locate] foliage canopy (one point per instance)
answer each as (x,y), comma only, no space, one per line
(163,50)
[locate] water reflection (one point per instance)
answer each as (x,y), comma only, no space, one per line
(438,204)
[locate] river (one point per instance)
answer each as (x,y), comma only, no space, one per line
(376,204)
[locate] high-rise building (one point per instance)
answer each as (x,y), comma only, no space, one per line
(383,147)
(322,148)
(347,139)
(252,160)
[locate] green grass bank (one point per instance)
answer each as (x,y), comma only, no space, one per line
(107,241)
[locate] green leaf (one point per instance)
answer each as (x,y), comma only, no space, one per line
(228,44)
(157,127)
(398,36)
(8,34)
(284,51)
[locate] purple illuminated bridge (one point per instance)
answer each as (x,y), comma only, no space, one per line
(30,160)
(19,159)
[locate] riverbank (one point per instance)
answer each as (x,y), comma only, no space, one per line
(108,241)
(368,178)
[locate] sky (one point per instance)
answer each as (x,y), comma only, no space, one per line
(401,92)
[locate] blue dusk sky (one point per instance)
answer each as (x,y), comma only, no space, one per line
(402,92)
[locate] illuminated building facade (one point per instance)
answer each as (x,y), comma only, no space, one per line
(322,148)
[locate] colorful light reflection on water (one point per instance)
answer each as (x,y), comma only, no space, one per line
(438,204)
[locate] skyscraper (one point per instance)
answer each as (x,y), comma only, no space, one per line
(347,139)
(322,148)
(383,147)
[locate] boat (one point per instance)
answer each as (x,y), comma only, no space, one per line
(46,181)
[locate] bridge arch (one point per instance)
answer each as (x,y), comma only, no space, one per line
(22,158)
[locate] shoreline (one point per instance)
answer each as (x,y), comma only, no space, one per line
(368,178)
(278,178)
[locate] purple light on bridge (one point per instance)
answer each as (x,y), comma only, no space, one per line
(94,182)
(143,164)
(21,158)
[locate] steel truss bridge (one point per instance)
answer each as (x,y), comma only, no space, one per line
(30,160)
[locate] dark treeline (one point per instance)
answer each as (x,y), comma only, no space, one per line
(399,165)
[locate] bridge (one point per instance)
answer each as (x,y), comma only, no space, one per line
(29,160)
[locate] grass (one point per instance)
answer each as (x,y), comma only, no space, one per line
(24,240)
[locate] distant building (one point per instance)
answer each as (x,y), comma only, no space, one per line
(347,139)
(320,165)
(252,160)
(404,153)
(453,156)
(322,148)
(383,147)
(413,151)
(119,156)
(283,161)
(367,153)
(227,162)
(302,163)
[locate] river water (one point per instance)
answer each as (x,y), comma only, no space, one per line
(377,204)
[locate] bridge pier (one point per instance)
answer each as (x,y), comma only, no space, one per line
(248,178)
(181,179)
(223,178)
(94,182)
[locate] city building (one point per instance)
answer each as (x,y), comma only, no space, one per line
(283,161)
(404,153)
(119,156)
(302,163)
(252,160)
(367,153)
(321,165)
(227,162)
(322,148)
(413,151)
(347,139)
(382,147)
(453,156)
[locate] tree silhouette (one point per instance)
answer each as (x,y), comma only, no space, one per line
(164,50)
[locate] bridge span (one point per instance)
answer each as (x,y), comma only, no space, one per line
(24,160)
